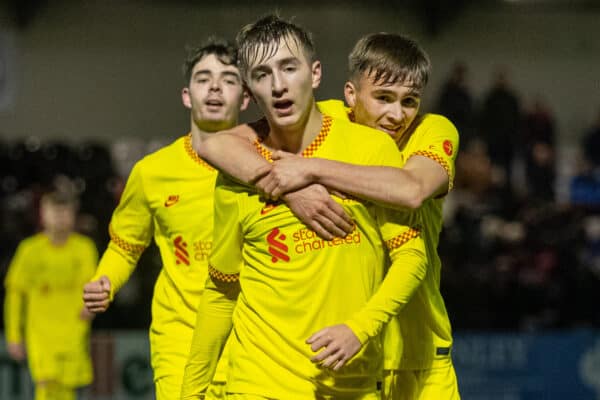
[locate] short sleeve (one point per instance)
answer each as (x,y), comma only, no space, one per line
(438,140)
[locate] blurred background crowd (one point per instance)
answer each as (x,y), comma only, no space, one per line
(515,257)
(88,88)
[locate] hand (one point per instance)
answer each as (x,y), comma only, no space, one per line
(288,172)
(96,294)
(340,344)
(316,209)
(16,351)
(86,315)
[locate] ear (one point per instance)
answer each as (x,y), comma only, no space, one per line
(316,74)
(186,98)
(245,100)
(350,94)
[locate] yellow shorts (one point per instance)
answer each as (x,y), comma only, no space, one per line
(169,388)
(427,384)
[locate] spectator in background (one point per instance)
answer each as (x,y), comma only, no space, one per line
(44,315)
(585,186)
(591,143)
(499,123)
(456,102)
(539,150)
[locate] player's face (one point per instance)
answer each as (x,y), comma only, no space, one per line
(388,107)
(58,218)
(214,95)
(283,85)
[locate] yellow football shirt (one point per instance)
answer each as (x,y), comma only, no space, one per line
(168,197)
(293,283)
(424,324)
(43,306)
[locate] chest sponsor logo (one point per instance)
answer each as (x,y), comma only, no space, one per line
(202,249)
(181,254)
(277,247)
(171,200)
(304,241)
(200,252)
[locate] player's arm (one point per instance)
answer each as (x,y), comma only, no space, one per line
(130,233)
(14,304)
(213,325)
(408,187)
(233,152)
(213,321)
(310,203)
(428,172)
(409,266)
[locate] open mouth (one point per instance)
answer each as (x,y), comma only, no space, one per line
(283,106)
(214,103)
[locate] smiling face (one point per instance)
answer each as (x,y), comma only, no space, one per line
(214,94)
(283,85)
(389,107)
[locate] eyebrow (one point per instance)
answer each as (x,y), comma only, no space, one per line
(289,60)
(224,73)
(283,61)
(413,92)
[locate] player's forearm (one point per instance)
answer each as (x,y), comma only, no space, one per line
(13,315)
(234,155)
(386,186)
(213,324)
(402,280)
(116,267)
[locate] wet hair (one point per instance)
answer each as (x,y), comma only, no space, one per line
(261,40)
(224,50)
(389,58)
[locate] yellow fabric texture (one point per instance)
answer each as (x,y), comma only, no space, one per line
(424,323)
(169,198)
(294,283)
(432,383)
(44,303)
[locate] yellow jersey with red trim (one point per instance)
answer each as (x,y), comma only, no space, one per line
(169,198)
(43,306)
(424,323)
(293,283)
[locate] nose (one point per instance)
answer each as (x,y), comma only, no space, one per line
(277,84)
(215,85)
(395,112)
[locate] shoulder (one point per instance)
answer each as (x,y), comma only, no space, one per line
(82,240)
(437,123)
(161,159)
(334,108)
(361,134)
(168,152)
(32,241)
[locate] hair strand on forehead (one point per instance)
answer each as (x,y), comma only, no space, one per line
(388,58)
(259,41)
(225,51)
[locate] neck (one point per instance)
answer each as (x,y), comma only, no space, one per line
(198,134)
(57,238)
(296,138)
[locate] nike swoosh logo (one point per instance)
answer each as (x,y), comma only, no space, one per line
(171,201)
(267,208)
